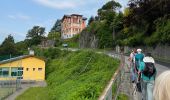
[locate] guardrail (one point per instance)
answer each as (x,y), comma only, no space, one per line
(111,92)
(8,87)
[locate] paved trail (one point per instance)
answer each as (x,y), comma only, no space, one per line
(160,69)
(126,87)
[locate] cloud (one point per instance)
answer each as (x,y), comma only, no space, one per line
(19,16)
(57,4)
(67,4)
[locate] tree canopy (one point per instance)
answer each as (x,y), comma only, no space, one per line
(35,35)
(8,46)
(144,22)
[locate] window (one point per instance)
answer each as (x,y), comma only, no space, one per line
(14,71)
(33,69)
(39,69)
(17,71)
(4,71)
(27,69)
(20,68)
(20,71)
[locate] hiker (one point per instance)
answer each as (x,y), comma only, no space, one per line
(132,66)
(138,57)
(162,86)
(147,73)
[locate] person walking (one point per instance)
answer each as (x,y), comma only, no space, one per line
(138,58)
(132,65)
(147,73)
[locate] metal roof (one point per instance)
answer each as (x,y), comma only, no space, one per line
(18,58)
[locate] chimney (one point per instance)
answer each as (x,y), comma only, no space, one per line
(31,52)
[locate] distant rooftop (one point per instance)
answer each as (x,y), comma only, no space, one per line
(76,15)
(68,16)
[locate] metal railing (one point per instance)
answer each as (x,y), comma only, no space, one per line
(112,90)
(8,87)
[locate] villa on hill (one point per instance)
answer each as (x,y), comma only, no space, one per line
(72,25)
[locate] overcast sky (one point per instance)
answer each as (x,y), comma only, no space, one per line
(18,16)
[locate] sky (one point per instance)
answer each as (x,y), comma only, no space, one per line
(18,16)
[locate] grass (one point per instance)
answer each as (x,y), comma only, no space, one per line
(35,93)
(114,89)
(81,75)
(122,97)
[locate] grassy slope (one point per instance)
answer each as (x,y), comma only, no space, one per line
(71,79)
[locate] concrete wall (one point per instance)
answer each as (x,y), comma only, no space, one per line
(160,51)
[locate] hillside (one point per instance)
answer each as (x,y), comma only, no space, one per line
(81,75)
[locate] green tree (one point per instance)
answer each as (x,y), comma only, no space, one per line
(108,21)
(56,27)
(91,19)
(9,39)
(22,47)
(55,33)
(56,36)
(35,35)
(8,46)
(108,10)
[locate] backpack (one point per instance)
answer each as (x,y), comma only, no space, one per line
(149,69)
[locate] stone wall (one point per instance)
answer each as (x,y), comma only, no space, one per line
(160,51)
(88,40)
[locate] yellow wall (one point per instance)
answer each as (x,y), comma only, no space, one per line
(30,62)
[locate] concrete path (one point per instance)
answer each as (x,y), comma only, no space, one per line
(127,87)
(160,69)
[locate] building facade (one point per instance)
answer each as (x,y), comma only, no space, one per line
(26,67)
(72,25)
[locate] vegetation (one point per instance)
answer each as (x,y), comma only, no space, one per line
(72,42)
(143,23)
(9,48)
(57,26)
(35,35)
(55,36)
(81,75)
(122,97)
(55,33)
(102,25)
(37,92)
